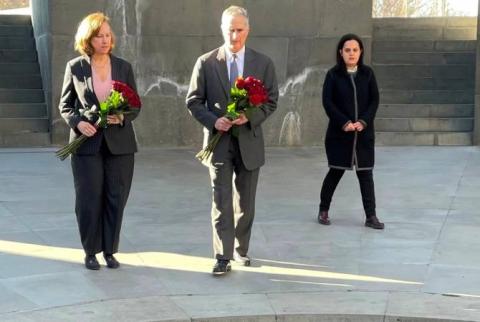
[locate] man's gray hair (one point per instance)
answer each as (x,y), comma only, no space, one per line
(234,11)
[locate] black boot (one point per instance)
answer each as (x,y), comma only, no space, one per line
(323,218)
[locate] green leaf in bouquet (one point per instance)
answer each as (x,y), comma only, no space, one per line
(116,99)
(104,106)
(232,111)
(242,104)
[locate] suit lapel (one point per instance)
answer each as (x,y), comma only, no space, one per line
(88,79)
(222,71)
(249,67)
(115,68)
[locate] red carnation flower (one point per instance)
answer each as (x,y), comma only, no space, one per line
(249,81)
(257,99)
(240,83)
(128,93)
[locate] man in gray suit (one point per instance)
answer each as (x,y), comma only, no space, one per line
(235,162)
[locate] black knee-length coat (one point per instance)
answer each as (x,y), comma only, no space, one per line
(345,101)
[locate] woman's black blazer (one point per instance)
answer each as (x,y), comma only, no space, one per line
(78,98)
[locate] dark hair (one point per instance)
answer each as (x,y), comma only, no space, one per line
(341,43)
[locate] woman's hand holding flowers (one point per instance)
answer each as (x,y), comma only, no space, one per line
(86,128)
(115,119)
(122,100)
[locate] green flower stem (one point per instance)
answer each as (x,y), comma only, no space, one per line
(207,151)
(71,147)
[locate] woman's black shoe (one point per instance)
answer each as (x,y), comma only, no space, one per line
(323,218)
(111,261)
(91,262)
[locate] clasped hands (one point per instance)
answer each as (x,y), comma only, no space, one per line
(357,126)
(224,124)
(89,130)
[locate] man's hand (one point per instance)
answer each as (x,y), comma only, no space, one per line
(242,119)
(86,128)
(223,124)
(358,126)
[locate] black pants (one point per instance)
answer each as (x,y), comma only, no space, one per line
(102,185)
(365,178)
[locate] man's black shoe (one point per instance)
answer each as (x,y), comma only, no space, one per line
(221,267)
(374,223)
(91,262)
(111,261)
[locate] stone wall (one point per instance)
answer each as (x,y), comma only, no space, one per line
(162,39)
(43,40)
(476,133)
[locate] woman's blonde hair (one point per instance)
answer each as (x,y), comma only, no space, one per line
(89,28)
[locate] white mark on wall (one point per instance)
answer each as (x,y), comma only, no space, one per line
(295,85)
(166,86)
(294,89)
(291,130)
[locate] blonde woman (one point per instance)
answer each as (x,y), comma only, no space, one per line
(103,165)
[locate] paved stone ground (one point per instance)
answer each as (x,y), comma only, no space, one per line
(424,266)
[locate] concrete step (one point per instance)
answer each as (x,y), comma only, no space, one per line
(423,138)
(425,110)
(23,140)
(21,81)
(426,96)
(23,125)
(414,23)
(434,33)
(424,71)
(16,31)
(18,55)
(16,20)
(25,43)
(32,110)
(21,96)
(424,124)
(427,58)
(426,83)
(397,33)
(413,46)
(23,113)
(19,68)
(446,28)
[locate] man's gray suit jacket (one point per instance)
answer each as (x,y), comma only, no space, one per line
(208,97)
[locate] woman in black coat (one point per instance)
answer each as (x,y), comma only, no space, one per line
(350,99)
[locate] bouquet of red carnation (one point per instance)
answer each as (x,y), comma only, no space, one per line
(247,93)
(122,100)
